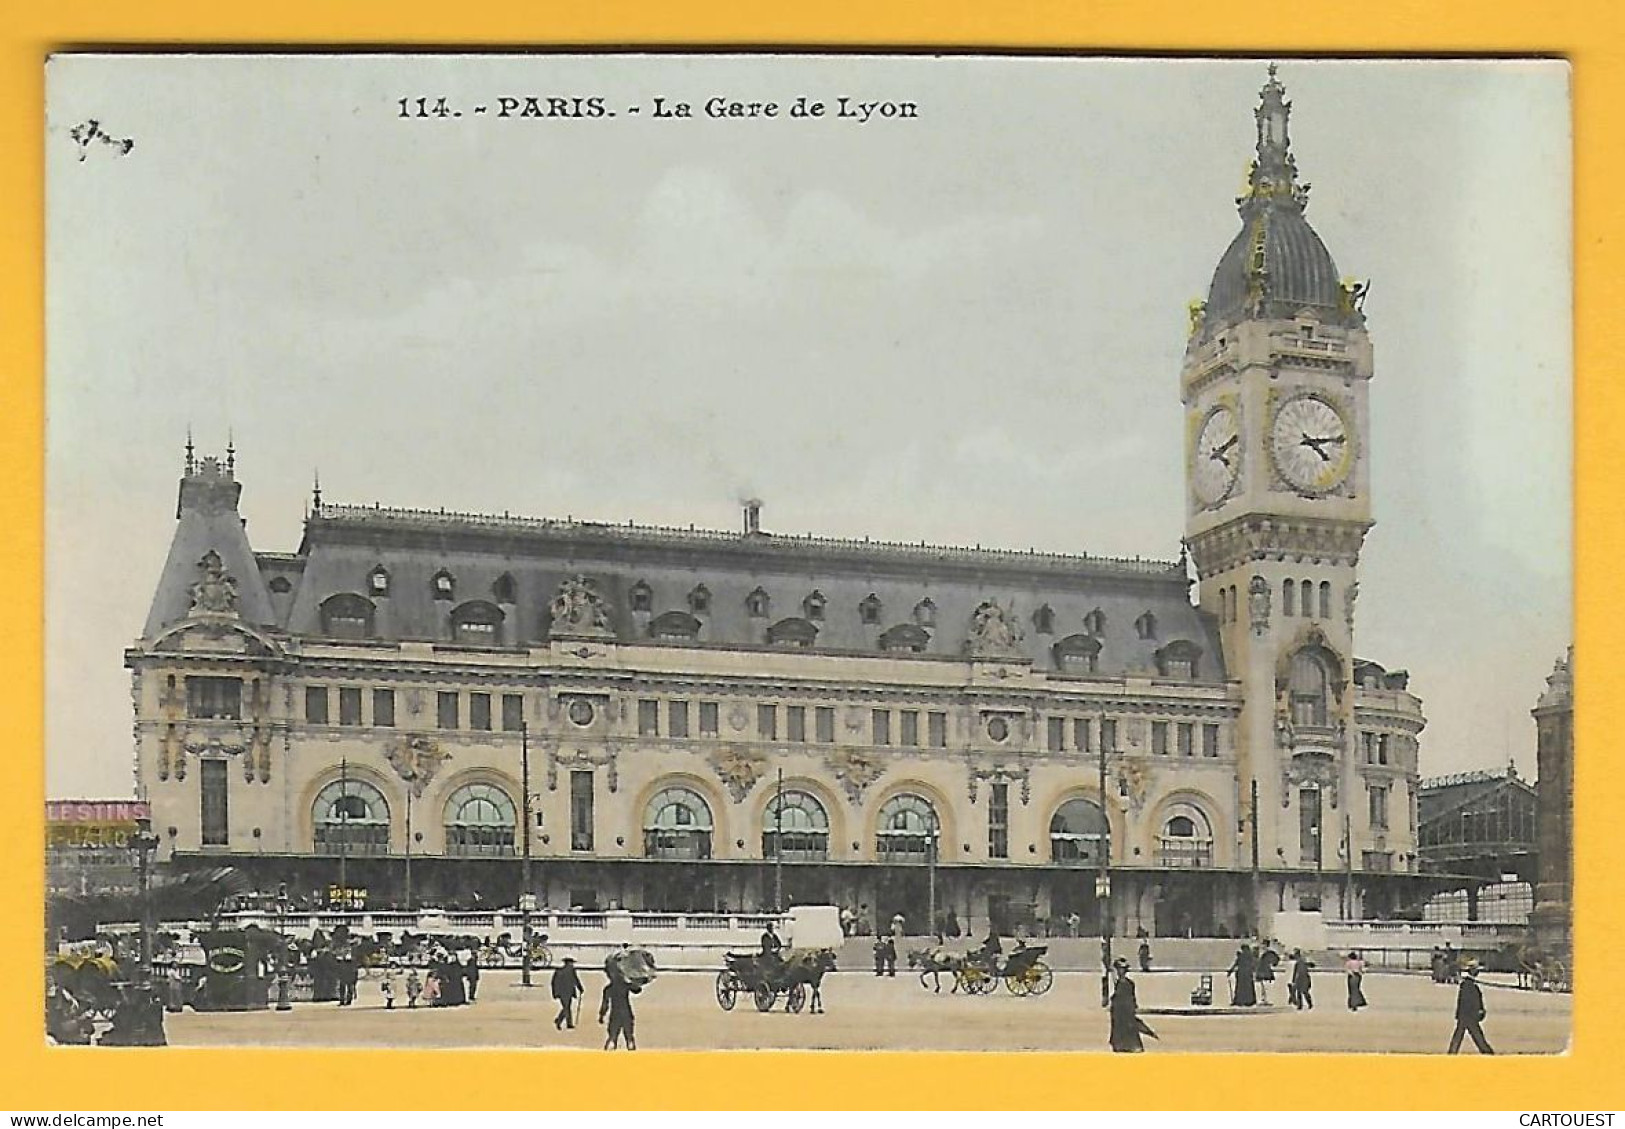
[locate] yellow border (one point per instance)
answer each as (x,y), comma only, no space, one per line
(1589,34)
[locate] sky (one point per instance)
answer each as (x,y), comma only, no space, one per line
(963,326)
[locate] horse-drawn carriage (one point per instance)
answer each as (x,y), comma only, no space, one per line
(977,974)
(797,977)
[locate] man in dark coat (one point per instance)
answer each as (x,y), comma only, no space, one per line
(566,988)
(617,1005)
(1242,971)
(1302,985)
(1126,1026)
(1470,1013)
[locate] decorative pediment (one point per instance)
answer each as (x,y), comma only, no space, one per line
(738,768)
(215,635)
(415,758)
(581,758)
(994,631)
(1312,768)
(1000,774)
(578,610)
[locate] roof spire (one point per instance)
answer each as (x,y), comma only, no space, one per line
(191,459)
(1274,173)
(231,453)
(316,493)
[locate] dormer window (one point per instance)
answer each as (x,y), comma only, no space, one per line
(793,632)
(1095,623)
(905,638)
(1077,654)
(869,609)
(1178,659)
(756,604)
(673,627)
(925,613)
(477,622)
(444,585)
(280,586)
(1146,626)
(641,597)
(699,600)
(504,589)
(347,616)
(813,605)
(378,581)
(1044,620)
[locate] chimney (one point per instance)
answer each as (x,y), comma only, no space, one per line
(753,516)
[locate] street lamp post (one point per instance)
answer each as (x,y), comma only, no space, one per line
(344,831)
(409,789)
(778,847)
(1103,880)
(283,1003)
(526,897)
(145,842)
(931,874)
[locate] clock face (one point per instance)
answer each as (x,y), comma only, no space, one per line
(1216,461)
(1310,444)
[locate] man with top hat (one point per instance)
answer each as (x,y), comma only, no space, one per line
(1470,1011)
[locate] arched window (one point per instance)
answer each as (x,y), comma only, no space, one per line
(347,616)
(504,590)
(813,605)
(1077,654)
(1289,590)
(1095,623)
(907,828)
(477,622)
(699,600)
(1310,689)
(1146,626)
(641,598)
(480,820)
(674,626)
(351,817)
(757,603)
(1325,599)
(869,609)
(1186,840)
(792,632)
(1306,606)
(1044,620)
(677,825)
(904,637)
(444,585)
(378,581)
(796,827)
(1079,833)
(925,612)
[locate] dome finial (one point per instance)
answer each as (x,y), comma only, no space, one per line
(1274,174)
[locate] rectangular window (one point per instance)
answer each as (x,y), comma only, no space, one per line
(824,718)
(648,717)
(581,810)
(998,821)
(349,705)
(909,723)
(214,815)
(513,712)
(1210,740)
(1187,739)
(1057,734)
(767,722)
(1080,735)
(383,708)
(1108,734)
(1309,835)
(882,722)
(677,715)
(708,719)
(214,697)
(1378,798)
(446,712)
(937,727)
(795,723)
(1159,738)
(479,710)
(316,705)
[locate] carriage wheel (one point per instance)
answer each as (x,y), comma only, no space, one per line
(1039,979)
(988,984)
(727,990)
(765,997)
(796,998)
(541,956)
(1557,977)
(1017,983)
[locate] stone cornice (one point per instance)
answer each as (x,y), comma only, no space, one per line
(1260,537)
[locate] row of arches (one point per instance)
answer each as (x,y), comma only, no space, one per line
(352,816)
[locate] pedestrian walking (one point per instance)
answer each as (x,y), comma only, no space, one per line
(1242,971)
(1470,1012)
(386,985)
(616,1005)
(1145,955)
(897,925)
(1264,973)
(1126,1024)
(1302,985)
(1354,969)
(414,987)
(471,976)
(566,987)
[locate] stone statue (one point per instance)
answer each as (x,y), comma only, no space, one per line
(994,630)
(214,593)
(1258,604)
(578,609)
(1350,594)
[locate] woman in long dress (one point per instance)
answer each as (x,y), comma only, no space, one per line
(1242,970)
(1126,1026)
(1354,967)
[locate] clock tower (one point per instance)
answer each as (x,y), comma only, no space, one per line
(1274,385)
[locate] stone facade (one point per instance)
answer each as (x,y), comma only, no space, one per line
(727,720)
(1551,924)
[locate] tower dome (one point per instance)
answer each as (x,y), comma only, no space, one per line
(1276,266)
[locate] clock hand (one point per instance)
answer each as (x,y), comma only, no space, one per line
(1317,446)
(1326,439)
(1226,445)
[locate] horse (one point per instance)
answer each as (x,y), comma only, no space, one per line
(934,962)
(808,966)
